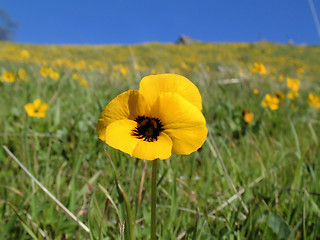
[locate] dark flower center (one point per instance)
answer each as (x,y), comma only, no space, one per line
(147,128)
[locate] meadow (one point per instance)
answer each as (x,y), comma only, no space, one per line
(256,176)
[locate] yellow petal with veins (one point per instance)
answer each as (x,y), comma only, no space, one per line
(127,105)
(152,86)
(182,122)
(119,135)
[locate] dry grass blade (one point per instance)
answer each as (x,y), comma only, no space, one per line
(83,226)
(216,151)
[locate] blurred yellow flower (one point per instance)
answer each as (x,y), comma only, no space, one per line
(81,80)
(36,108)
(279,95)
(281,78)
(7,76)
(162,117)
(293,94)
(314,100)
(24,54)
(45,72)
(271,102)
(293,84)
(255,91)
(48,72)
(300,70)
(247,116)
(22,74)
(54,75)
(259,68)
(185,66)
(123,70)
(76,76)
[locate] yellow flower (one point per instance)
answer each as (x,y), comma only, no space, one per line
(7,76)
(259,68)
(300,70)
(48,72)
(293,84)
(76,76)
(281,78)
(271,102)
(45,72)
(279,95)
(25,54)
(255,91)
(293,94)
(54,75)
(247,116)
(22,74)
(314,101)
(162,117)
(36,109)
(83,82)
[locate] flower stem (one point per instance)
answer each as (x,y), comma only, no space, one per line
(153,198)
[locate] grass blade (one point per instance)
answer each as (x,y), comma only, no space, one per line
(83,226)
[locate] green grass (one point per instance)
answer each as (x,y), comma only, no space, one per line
(272,162)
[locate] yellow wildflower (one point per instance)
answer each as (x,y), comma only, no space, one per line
(281,78)
(54,75)
(162,117)
(271,102)
(247,116)
(185,66)
(7,76)
(255,91)
(293,84)
(24,54)
(83,82)
(293,94)
(124,70)
(45,72)
(22,74)
(36,108)
(279,95)
(76,76)
(48,72)
(259,68)
(300,70)
(314,101)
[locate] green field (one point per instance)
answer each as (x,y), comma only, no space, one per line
(256,176)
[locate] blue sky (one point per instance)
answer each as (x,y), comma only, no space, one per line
(131,22)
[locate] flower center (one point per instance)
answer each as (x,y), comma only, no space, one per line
(147,128)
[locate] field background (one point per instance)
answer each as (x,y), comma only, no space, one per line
(273,162)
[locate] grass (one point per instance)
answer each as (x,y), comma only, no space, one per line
(248,181)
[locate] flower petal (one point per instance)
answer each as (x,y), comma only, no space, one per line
(182,122)
(37,103)
(29,109)
(119,135)
(127,105)
(161,148)
(152,86)
(43,107)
